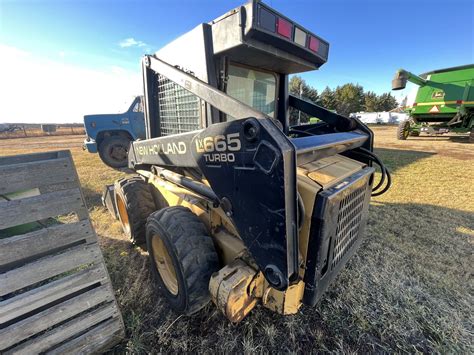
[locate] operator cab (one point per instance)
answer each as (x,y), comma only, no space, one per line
(247,53)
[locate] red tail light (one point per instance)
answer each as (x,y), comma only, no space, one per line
(459,102)
(313,44)
(284,28)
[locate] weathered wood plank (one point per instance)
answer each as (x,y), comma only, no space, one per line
(48,267)
(94,341)
(25,246)
(66,331)
(30,209)
(59,186)
(25,158)
(30,326)
(31,175)
(26,302)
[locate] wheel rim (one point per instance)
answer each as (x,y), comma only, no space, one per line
(406,129)
(164,264)
(118,152)
(123,215)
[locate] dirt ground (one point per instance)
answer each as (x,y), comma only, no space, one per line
(408,289)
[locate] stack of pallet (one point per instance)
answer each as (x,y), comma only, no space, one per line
(55,293)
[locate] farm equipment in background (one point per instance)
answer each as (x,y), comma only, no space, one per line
(232,203)
(444,102)
(9,128)
(110,135)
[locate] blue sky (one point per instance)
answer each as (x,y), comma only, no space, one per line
(369,39)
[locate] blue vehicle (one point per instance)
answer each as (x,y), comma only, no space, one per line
(110,134)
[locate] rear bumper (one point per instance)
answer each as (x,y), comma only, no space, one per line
(337,226)
(90,146)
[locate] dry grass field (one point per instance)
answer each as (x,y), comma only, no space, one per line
(408,289)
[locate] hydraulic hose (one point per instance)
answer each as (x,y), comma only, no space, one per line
(383,169)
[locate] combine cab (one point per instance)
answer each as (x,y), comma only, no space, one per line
(444,102)
(232,203)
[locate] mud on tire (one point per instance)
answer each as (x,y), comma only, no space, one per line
(191,254)
(134,203)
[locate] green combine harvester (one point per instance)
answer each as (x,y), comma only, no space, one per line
(444,102)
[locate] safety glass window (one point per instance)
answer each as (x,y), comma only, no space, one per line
(254,88)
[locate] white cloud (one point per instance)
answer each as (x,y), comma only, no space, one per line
(38,90)
(131,42)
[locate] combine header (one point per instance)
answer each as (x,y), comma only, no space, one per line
(232,203)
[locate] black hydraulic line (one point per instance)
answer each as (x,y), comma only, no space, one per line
(384,170)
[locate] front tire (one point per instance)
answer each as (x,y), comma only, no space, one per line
(113,151)
(182,258)
(134,203)
(403,130)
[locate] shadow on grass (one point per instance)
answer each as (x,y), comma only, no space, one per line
(93,198)
(396,159)
(404,290)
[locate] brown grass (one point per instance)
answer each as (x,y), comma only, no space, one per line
(408,289)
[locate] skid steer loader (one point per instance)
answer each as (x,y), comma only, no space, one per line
(232,203)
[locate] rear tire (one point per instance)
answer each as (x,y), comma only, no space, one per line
(403,130)
(113,151)
(134,203)
(182,257)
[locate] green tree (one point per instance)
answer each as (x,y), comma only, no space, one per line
(386,102)
(328,99)
(370,101)
(299,87)
(349,98)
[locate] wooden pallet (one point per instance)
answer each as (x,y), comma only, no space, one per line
(55,293)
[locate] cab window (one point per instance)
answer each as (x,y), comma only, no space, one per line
(254,88)
(138,107)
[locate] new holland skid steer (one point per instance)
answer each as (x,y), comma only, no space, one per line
(232,203)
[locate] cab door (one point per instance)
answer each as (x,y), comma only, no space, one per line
(137,117)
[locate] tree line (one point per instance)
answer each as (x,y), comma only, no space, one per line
(344,99)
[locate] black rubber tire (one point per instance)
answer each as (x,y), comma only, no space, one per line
(401,130)
(192,253)
(139,204)
(113,151)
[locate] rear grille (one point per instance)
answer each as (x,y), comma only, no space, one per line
(348,223)
(337,226)
(178,108)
